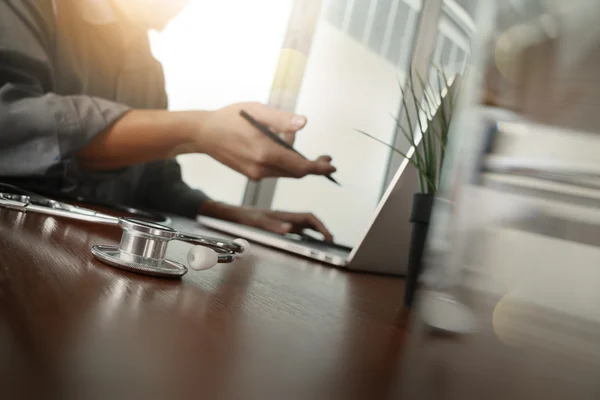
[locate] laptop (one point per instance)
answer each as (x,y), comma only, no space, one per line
(383,247)
(385,243)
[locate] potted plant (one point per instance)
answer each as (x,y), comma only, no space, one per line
(427,131)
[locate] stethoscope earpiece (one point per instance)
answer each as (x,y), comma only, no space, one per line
(200,258)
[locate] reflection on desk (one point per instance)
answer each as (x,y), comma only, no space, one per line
(270,326)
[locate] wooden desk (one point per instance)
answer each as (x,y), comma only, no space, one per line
(268,327)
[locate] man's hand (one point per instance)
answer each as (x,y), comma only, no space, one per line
(274,221)
(231,140)
(141,136)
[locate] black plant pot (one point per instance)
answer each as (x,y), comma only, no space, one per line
(419,217)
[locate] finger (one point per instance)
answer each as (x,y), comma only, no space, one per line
(296,168)
(278,120)
(319,226)
(297,165)
(305,220)
(274,225)
(324,159)
(321,167)
(270,172)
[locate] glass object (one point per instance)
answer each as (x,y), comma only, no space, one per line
(360,52)
(514,236)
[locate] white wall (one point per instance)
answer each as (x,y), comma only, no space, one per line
(346,87)
(216,53)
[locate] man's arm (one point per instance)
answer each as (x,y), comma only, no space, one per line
(38,128)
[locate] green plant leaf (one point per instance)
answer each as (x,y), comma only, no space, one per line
(434,116)
(431,106)
(410,160)
(412,138)
(441,73)
(445,118)
(422,166)
(424,137)
(408,137)
(433,124)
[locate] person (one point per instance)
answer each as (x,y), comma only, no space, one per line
(83,112)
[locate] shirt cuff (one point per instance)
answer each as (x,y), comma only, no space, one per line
(188,203)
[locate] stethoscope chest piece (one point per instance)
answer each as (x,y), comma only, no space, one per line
(142,249)
(132,263)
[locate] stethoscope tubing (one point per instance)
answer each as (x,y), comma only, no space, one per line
(136,212)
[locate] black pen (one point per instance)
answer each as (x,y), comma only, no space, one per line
(265,129)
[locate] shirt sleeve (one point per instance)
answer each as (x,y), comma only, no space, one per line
(161,188)
(39,128)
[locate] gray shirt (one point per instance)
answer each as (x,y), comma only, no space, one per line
(63,80)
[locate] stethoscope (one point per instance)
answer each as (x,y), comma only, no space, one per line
(143,244)
(121,208)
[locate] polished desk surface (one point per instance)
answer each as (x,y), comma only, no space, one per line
(271,326)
